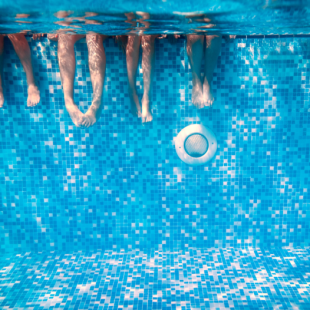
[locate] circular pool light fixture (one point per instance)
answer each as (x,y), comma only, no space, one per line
(196,144)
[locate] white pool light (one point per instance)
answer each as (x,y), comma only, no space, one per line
(196,144)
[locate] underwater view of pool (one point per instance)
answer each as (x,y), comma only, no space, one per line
(99,209)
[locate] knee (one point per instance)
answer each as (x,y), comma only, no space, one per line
(18,40)
(91,38)
(149,38)
(214,40)
(16,37)
(148,42)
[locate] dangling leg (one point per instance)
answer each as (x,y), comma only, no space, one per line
(213,48)
(195,53)
(148,64)
(1,72)
(22,49)
(97,62)
(66,60)
(132,58)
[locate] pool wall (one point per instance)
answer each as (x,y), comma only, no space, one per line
(120,184)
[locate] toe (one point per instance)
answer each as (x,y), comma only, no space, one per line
(87,122)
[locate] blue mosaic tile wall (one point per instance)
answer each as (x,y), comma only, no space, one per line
(121,186)
(236,279)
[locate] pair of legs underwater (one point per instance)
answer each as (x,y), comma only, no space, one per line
(199,47)
(22,49)
(97,65)
(148,63)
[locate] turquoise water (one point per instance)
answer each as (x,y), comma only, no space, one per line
(109,217)
(231,17)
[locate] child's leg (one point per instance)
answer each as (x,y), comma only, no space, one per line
(22,49)
(132,58)
(66,60)
(195,54)
(148,64)
(1,72)
(97,62)
(213,48)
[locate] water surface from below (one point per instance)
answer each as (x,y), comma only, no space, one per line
(113,17)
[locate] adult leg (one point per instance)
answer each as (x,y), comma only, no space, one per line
(66,60)
(148,64)
(195,54)
(132,59)
(22,49)
(213,48)
(97,62)
(1,72)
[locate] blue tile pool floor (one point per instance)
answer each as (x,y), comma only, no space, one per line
(196,279)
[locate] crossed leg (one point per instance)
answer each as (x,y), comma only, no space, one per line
(97,63)
(66,60)
(22,50)
(148,64)
(195,53)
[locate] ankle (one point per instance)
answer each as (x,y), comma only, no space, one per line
(206,83)
(96,101)
(196,82)
(145,99)
(31,84)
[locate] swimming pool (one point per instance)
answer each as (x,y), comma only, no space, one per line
(109,217)
(239,17)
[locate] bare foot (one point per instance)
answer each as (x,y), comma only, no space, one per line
(146,111)
(1,99)
(197,97)
(208,97)
(33,95)
(135,108)
(92,115)
(76,115)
